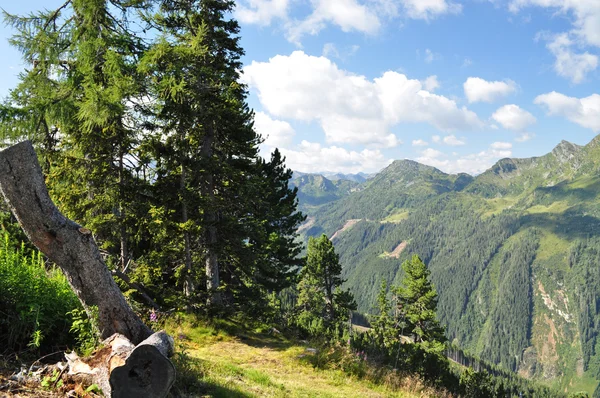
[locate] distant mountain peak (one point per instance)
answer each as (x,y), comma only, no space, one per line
(411,165)
(565,151)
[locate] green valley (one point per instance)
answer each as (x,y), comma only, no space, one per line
(514,254)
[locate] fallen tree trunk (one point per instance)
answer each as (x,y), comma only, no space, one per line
(66,243)
(121,369)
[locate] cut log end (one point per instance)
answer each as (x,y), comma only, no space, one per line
(146,373)
(124,370)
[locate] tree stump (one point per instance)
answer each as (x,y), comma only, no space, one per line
(123,370)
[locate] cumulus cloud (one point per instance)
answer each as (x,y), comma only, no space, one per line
(583,111)
(311,157)
(586,13)
(261,12)
(420,142)
(511,117)
(366,16)
(475,163)
(480,90)
(568,63)
(453,141)
(276,133)
(350,108)
(348,15)
(431,83)
(585,32)
(436,138)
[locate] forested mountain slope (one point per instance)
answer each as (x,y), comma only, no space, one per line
(315,189)
(514,254)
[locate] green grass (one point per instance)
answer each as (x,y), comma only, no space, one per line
(583,182)
(242,362)
(396,217)
(555,208)
(585,383)
(497,205)
(550,245)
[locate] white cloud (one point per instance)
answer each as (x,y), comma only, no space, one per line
(583,111)
(522,137)
(511,117)
(420,142)
(586,13)
(436,138)
(312,157)
(364,16)
(453,141)
(431,153)
(480,90)
(261,12)
(348,15)
(350,108)
(429,9)
(276,133)
(501,145)
(568,63)
(475,163)
(431,83)
(404,100)
(585,32)
(467,62)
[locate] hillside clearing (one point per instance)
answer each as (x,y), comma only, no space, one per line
(346,226)
(396,252)
(259,365)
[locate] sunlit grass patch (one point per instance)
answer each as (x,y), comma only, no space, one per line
(555,208)
(396,217)
(251,364)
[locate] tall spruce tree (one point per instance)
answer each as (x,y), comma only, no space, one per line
(271,254)
(233,212)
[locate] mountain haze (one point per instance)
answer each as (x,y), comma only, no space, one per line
(514,253)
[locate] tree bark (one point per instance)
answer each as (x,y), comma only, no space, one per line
(122,369)
(188,283)
(122,226)
(210,219)
(147,371)
(66,243)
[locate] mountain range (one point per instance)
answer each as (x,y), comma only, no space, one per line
(514,253)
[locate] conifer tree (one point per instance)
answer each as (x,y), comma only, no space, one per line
(323,306)
(418,302)
(383,325)
(234,212)
(74,103)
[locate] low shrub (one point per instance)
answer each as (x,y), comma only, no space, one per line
(34,302)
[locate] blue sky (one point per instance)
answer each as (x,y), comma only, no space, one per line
(350,85)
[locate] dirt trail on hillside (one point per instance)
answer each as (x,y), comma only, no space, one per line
(397,251)
(310,221)
(346,226)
